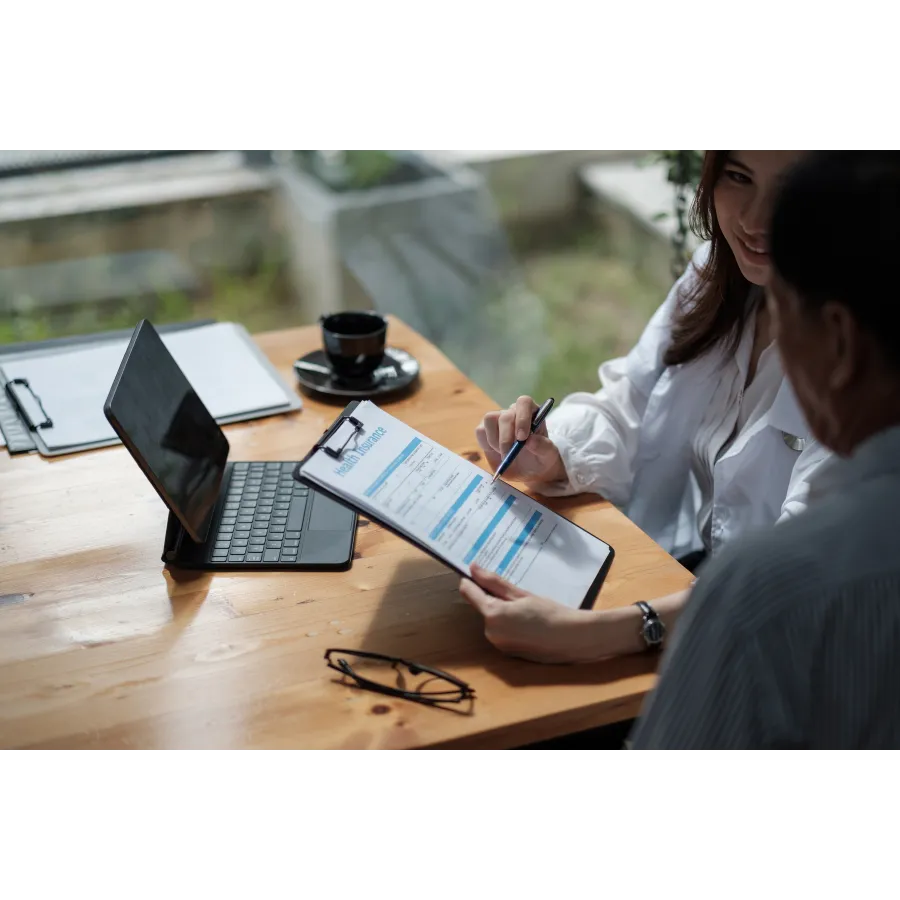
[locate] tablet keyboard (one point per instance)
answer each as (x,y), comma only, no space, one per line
(263,515)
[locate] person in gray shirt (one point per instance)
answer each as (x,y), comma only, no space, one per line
(791,638)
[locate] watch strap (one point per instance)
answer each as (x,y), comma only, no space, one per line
(652,629)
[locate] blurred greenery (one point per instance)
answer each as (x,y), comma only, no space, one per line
(595,305)
(261,300)
(359,170)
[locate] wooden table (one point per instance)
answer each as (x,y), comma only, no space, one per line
(100,647)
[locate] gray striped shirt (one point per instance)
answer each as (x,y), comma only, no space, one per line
(792,636)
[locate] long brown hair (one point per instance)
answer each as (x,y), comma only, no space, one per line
(717,308)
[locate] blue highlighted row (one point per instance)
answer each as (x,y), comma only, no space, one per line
(383,477)
(445,519)
(492,525)
(518,542)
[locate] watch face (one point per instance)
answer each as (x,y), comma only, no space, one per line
(654,631)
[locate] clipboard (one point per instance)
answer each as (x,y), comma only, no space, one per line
(51,396)
(15,431)
(335,452)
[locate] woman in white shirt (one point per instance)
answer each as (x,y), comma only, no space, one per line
(695,434)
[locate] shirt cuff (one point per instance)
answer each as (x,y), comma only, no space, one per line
(576,481)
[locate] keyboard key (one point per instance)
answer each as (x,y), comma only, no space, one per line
(239,542)
(258,532)
(279,520)
(273,545)
(222,544)
(235,557)
(271,556)
(219,557)
(254,557)
(290,535)
(226,529)
(276,529)
(228,520)
(256,545)
(291,544)
(242,531)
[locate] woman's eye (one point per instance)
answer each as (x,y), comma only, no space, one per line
(737,177)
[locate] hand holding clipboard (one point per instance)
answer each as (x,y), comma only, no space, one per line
(447,506)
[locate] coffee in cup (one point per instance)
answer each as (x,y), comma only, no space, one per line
(354,342)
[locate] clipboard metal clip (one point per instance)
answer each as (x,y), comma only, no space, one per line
(16,388)
(337,452)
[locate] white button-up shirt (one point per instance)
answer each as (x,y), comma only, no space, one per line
(693,454)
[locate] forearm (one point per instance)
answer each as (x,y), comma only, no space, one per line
(617,632)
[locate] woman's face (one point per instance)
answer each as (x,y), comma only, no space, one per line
(744,196)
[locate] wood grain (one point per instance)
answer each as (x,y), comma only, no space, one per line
(101,647)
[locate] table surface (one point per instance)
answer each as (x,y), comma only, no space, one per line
(101,647)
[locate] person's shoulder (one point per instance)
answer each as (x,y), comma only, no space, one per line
(805,558)
(681,290)
(693,272)
(700,256)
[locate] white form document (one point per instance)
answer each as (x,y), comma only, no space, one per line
(74,383)
(447,504)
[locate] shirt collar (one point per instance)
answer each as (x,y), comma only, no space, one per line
(878,455)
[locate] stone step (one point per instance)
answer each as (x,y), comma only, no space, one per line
(99,279)
(531,186)
(635,203)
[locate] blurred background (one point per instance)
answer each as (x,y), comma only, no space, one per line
(527,268)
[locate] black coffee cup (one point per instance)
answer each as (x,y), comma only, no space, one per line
(354,342)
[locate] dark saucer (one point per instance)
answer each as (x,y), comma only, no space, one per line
(397,372)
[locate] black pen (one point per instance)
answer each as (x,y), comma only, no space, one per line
(536,422)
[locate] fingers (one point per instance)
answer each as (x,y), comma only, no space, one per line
(494,584)
(491,427)
(506,426)
(472,593)
(500,429)
(524,414)
(492,457)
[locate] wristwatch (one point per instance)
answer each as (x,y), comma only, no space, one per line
(652,629)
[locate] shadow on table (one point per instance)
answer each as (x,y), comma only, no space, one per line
(423,618)
(187,592)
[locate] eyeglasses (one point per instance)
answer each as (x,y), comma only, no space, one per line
(373,671)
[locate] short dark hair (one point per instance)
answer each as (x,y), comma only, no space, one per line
(835,236)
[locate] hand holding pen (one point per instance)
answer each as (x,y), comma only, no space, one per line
(536,458)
